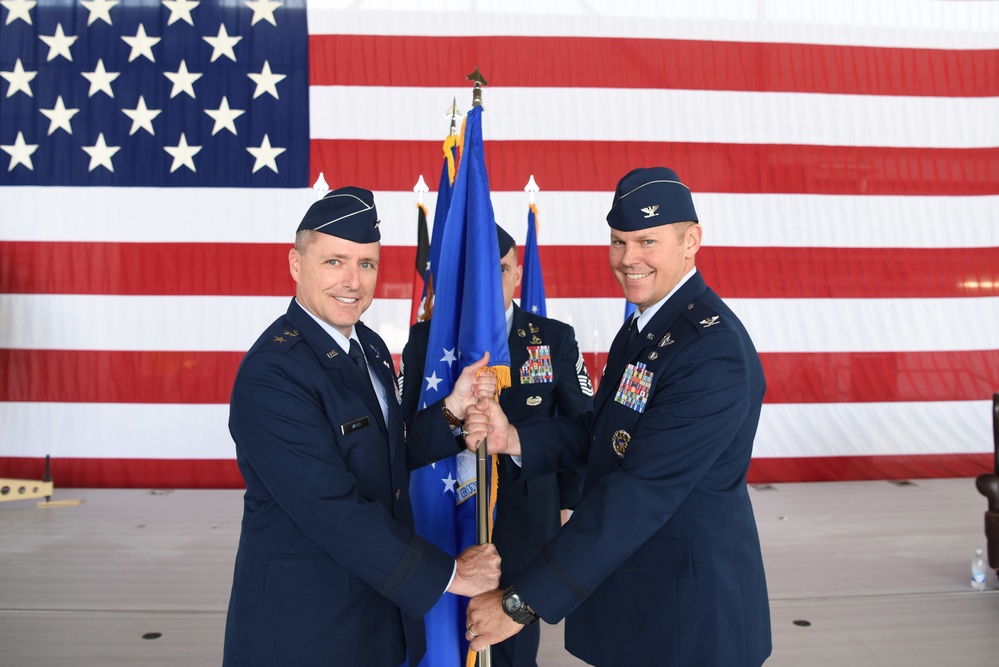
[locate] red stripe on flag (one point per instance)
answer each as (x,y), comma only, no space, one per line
(102,376)
(224,473)
(588,62)
(596,166)
(128,473)
(854,468)
(571,271)
(867,377)
(99,376)
(165,269)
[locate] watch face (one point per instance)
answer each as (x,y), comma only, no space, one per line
(511,603)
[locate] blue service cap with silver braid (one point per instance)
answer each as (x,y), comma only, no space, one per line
(347,212)
(649,197)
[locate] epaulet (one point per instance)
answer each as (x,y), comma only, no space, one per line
(282,337)
(703,317)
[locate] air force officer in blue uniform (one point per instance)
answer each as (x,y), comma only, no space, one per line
(548,378)
(660,563)
(329,570)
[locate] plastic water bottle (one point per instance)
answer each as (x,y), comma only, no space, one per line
(978,571)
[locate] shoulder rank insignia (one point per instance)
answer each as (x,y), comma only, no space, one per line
(292,333)
(278,339)
(710,321)
(620,441)
(666,340)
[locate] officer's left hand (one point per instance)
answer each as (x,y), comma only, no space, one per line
(487,621)
(467,388)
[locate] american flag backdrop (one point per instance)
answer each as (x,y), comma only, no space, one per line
(156,157)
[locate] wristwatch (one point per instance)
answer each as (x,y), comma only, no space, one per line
(516,608)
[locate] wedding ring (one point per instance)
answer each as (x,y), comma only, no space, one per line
(470,633)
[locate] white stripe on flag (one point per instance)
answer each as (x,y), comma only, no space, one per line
(671,115)
(201,432)
(232,323)
(578,218)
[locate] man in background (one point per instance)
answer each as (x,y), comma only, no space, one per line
(548,378)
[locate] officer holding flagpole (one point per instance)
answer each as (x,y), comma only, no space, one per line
(660,562)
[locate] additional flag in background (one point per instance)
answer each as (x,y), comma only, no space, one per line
(468,321)
(449,169)
(532,287)
(844,165)
(629,309)
(422,264)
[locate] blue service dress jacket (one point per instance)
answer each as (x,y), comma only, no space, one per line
(660,563)
(328,569)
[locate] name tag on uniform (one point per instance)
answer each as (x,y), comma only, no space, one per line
(355,425)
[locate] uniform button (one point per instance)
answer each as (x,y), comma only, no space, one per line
(690,306)
(398,494)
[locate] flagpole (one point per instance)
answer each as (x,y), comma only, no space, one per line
(482,454)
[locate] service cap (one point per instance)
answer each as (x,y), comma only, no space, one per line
(347,212)
(506,241)
(649,197)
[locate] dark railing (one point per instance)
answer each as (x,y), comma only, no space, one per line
(988,486)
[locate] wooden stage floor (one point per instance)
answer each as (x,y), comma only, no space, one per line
(134,577)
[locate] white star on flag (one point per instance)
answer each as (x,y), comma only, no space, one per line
(142,117)
(433,381)
(265,155)
(19,80)
(100,154)
(18,9)
(183,155)
(449,357)
(183,81)
(263,10)
(180,10)
(222,44)
(142,44)
(59,44)
(99,9)
(20,153)
(449,483)
(224,117)
(266,81)
(59,116)
(100,79)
